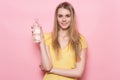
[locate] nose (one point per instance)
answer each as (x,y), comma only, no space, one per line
(63,19)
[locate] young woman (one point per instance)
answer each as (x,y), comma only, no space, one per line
(63,51)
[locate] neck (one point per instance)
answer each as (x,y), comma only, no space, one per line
(63,33)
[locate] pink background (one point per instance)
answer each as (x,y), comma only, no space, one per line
(98,21)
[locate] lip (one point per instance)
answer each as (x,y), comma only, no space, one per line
(64,24)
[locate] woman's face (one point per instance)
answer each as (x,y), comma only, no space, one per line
(64,18)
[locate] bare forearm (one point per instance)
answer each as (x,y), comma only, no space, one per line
(68,73)
(44,57)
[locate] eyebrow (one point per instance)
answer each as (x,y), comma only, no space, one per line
(66,14)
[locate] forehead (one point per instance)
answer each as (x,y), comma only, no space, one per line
(63,11)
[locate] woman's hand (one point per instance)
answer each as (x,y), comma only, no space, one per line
(37,32)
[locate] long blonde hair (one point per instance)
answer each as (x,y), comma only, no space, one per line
(74,36)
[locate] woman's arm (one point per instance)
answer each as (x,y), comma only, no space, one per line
(76,72)
(45,58)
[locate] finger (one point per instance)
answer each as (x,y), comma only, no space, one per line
(32,33)
(31,27)
(41,29)
(36,20)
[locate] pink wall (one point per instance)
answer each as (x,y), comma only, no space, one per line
(98,21)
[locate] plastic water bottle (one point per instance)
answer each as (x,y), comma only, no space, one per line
(36,32)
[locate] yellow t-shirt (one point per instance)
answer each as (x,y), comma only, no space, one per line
(66,58)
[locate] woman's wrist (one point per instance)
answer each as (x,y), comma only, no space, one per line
(41,42)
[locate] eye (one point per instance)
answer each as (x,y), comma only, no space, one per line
(67,15)
(60,15)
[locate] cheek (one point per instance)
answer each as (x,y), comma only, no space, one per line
(59,20)
(69,20)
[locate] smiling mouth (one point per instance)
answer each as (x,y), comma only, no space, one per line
(64,24)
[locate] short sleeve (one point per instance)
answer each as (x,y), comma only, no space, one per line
(83,42)
(47,38)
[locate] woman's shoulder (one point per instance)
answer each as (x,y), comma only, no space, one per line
(82,37)
(83,41)
(48,38)
(47,35)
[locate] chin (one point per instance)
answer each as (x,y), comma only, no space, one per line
(65,27)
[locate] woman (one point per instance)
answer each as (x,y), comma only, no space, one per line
(63,51)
